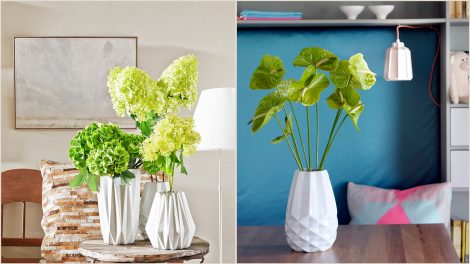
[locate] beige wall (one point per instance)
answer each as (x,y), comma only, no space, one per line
(165,30)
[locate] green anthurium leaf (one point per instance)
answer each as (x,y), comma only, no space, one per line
(267,108)
(360,71)
(354,112)
(317,57)
(268,74)
(341,77)
(351,95)
(288,122)
(289,90)
(278,139)
(311,93)
(336,99)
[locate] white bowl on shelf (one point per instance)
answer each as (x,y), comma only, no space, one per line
(381,11)
(351,11)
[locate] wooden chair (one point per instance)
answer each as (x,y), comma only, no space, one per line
(21,185)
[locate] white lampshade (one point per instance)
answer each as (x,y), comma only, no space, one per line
(398,63)
(215,119)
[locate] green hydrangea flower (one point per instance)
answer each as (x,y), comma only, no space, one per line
(171,134)
(180,83)
(132,143)
(108,159)
(103,149)
(135,93)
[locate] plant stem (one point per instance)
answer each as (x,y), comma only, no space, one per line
(293,140)
(334,137)
(288,143)
(325,152)
(308,139)
(300,134)
(317,135)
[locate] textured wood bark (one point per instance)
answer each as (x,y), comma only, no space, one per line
(354,243)
(140,251)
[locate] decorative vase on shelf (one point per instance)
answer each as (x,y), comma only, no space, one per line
(118,204)
(170,224)
(311,216)
(150,189)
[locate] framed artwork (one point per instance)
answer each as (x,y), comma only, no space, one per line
(61,82)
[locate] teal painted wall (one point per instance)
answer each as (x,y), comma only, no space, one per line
(397,146)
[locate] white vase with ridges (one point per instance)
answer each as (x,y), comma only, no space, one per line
(150,189)
(118,204)
(170,224)
(311,216)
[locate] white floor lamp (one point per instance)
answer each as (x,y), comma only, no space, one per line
(215,120)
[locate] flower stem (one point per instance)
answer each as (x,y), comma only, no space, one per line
(300,134)
(308,140)
(325,152)
(334,137)
(288,143)
(317,135)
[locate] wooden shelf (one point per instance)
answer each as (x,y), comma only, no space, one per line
(336,22)
(458,21)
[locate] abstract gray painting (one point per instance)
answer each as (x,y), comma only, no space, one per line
(61,82)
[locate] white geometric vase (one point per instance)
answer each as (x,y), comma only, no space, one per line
(150,188)
(311,216)
(118,205)
(170,224)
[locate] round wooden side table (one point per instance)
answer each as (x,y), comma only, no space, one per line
(141,251)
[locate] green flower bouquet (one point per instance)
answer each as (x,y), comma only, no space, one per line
(103,150)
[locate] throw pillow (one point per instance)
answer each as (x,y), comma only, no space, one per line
(419,205)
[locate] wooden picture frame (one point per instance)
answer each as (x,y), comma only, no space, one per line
(60,82)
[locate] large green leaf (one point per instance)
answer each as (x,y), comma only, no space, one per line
(267,108)
(318,57)
(354,112)
(268,74)
(311,93)
(360,70)
(79,179)
(286,88)
(351,95)
(341,77)
(336,99)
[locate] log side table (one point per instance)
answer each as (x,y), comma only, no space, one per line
(141,251)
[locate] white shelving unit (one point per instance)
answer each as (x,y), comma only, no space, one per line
(454,36)
(455,137)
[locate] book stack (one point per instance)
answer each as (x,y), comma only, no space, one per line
(458,9)
(459,233)
(269,15)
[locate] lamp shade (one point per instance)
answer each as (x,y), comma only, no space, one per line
(398,63)
(215,119)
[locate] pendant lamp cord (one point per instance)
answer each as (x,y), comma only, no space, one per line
(435,56)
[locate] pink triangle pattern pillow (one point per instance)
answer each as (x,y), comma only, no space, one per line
(424,204)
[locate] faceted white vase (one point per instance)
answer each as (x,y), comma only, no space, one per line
(311,216)
(170,224)
(118,205)
(150,188)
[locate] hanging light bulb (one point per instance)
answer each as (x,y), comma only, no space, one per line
(398,63)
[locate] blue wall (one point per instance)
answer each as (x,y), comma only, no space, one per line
(397,147)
